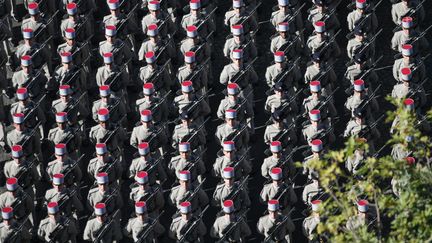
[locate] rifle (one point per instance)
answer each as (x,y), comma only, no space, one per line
(370,98)
(114,78)
(286,48)
(242,72)
(420,62)
(289,18)
(234,135)
(371,40)
(16,231)
(45,25)
(69,169)
(322,133)
(79,26)
(285,105)
(251,13)
(285,72)
(25,169)
(195,192)
(161,101)
(17,202)
(230,228)
(419,36)
(189,107)
(29,84)
(62,200)
(150,168)
(194,163)
(71,106)
(159,72)
(372,67)
(237,163)
(104,229)
(277,226)
(280,135)
(69,77)
(154,134)
(191,225)
(410,13)
(240,187)
(30,113)
(192,135)
(322,104)
(30,135)
(147,200)
(207,17)
(326,16)
(369,13)
(321,74)
(144,233)
(58,228)
(86,42)
(201,67)
(42,46)
(110,134)
(123,21)
(330,41)
(107,167)
(413,92)
(369,128)
(110,197)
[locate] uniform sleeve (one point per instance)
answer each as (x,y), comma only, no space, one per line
(172,232)
(224,77)
(246,231)
(394,15)
(128,229)
(394,42)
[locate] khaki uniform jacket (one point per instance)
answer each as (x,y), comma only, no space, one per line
(188,44)
(105,75)
(113,234)
(201,110)
(128,27)
(400,10)
(98,133)
(315,45)
(224,130)
(136,226)
(288,170)
(286,200)
(57,135)
(291,79)
(310,103)
(20,79)
(77,113)
(148,45)
(168,28)
(79,51)
(242,201)
(180,132)
(243,112)
(27,178)
(57,167)
(353,73)
(231,18)
(8,231)
(38,60)
(38,26)
(312,73)
(68,234)
(309,227)
(265,227)
(115,105)
(178,164)
(401,91)
(354,128)
(72,203)
(272,131)
(281,44)
(85,28)
(199,81)
(355,45)
(141,134)
(96,166)
(205,28)
(247,45)
(177,230)
(241,170)
(22,209)
(158,107)
(369,25)
(119,49)
(417,76)
(180,194)
(154,203)
(95,196)
(274,102)
(72,76)
(36,116)
(230,70)
(400,38)
(163,81)
(353,163)
(354,101)
(32,147)
(310,191)
(332,22)
(239,234)
(279,16)
(138,164)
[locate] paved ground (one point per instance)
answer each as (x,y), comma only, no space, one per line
(258,146)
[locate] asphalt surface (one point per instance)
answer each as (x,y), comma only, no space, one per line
(257,145)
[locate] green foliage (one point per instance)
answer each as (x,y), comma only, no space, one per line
(403,218)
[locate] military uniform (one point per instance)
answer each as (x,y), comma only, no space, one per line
(315,44)
(401,91)
(168,28)
(224,131)
(420,71)
(266,226)
(22,209)
(245,83)
(199,81)
(201,48)
(354,101)
(27,176)
(400,10)
(115,105)
(136,226)
(98,134)
(36,116)
(273,132)
(271,162)
(282,16)
(39,26)
(34,82)
(178,229)
(205,28)
(400,38)
(119,49)
(310,192)
(221,225)
(151,195)
(67,199)
(370,25)
(156,173)
(142,134)
(241,170)
(198,113)
(184,133)
(354,72)
(222,191)
(279,43)
(48,226)
(31,148)
(310,225)
(354,163)
(105,76)
(9,231)
(246,44)
(231,18)
(82,25)
(332,23)
(95,196)
(311,103)
(76,112)
(327,80)
(68,165)
(241,105)
(113,234)
(286,199)
(274,73)
(355,45)
(72,76)
(353,128)
(111,166)
(164,48)
(163,81)
(80,52)
(69,136)
(180,194)
(41,56)
(193,164)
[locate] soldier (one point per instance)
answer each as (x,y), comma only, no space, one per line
(285,42)
(399,183)
(199,45)
(181,226)
(63,133)
(114,76)
(157,75)
(361,44)
(83,7)
(158,17)
(232,190)
(42,26)
(408,89)
(34,80)
(360,98)
(10,230)
(278,159)
(163,48)
(56,227)
(230,158)
(323,42)
(188,191)
(63,164)
(103,193)
(317,149)
(363,16)
(17,198)
(143,228)
(230,227)
(68,74)
(112,134)
(310,224)
(312,191)
(279,190)
(114,104)
(403,149)
(407,8)
(29,139)
(240,15)
(288,11)
(67,199)
(361,70)
(361,219)
(82,24)
(326,13)
(149,163)
(118,48)
(194,73)
(282,102)
(232,130)
(409,60)
(80,52)
(148,132)
(75,107)
(322,71)
(421,123)
(40,55)
(233,101)
(102,228)
(318,101)
(363,127)
(23,169)
(152,195)
(275,226)
(282,130)
(287,73)
(199,17)
(104,162)
(189,131)
(241,73)
(187,160)
(192,103)
(408,35)
(356,161)
(34,117)
(240,41)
